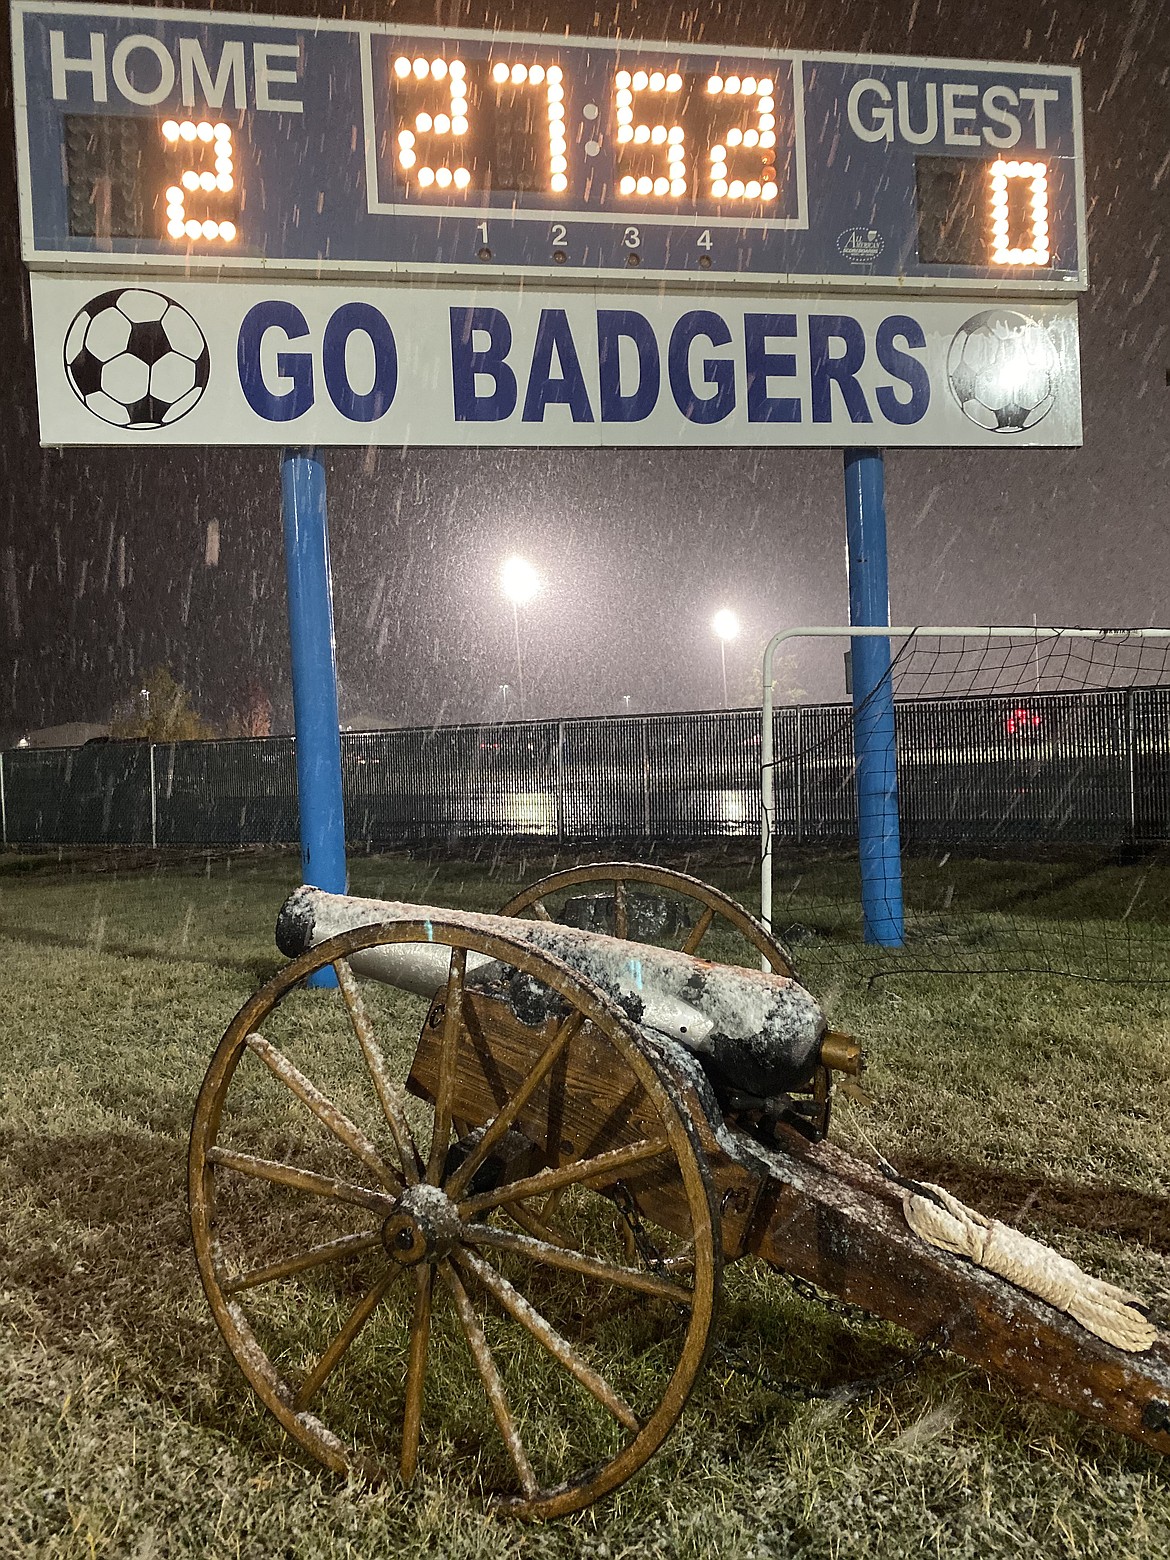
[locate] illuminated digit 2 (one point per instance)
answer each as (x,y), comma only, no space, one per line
(435,172)
(1004,252)
(670,138)
(761,135)
(216,139)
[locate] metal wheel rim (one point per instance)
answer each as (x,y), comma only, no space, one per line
(249,1354)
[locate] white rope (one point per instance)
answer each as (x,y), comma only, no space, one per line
(1104,1309)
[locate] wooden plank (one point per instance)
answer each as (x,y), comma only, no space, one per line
(831,1219)
(591,1102)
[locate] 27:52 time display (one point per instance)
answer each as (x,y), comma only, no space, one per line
(503,125)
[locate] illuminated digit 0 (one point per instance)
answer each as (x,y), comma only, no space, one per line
(218,141)
(1034,177)
(436,171)
(760,185)
(669,139)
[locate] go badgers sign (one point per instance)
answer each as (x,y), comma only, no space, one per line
(140,361)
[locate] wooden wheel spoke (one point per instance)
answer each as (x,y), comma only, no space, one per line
(390,1094)
(301,1262)
(700,929)
(540,910)
(547,1336)
(490,1376)
(576,1262)
(572,1174)
(511,1109)
(621,909)
(334,1354)
(323,1108)
(416,1371)
(302,1180)
(452,1017)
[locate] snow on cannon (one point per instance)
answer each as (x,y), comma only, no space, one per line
(470,1213)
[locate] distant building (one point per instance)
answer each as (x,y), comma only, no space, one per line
(72,734)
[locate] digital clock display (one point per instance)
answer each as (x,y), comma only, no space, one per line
(239,142)
(707,140)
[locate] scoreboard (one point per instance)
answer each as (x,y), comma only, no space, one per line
(180,141)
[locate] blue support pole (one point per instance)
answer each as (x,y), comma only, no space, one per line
(314,676)
(879,838)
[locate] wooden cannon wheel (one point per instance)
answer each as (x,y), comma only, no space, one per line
(381,1285)
(716,906)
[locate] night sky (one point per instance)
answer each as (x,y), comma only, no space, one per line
(114,561)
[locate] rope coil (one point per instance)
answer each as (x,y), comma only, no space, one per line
(1111,1313)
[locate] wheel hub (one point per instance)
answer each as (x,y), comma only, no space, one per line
(422,1228)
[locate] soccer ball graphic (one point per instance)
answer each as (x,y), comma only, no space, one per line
(1002,367)
(136,358)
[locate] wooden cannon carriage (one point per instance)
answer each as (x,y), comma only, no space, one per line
(513,1205)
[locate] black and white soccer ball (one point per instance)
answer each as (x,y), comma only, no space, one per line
(136,358)
(1002,367)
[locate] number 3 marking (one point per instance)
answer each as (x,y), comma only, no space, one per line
(632,238)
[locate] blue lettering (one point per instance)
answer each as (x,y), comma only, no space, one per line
(348,319)
(826,371)
(568,388)
(614,325)
(909,370)
(467,361)
(294,367)
(763,365)
(719,372)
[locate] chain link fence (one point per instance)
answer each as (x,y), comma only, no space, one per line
(1052,768)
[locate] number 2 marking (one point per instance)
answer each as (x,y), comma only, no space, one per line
(560,234)
(211,140)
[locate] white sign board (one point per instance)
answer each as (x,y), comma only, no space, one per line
(134,360)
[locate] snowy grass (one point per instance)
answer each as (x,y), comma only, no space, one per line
(126,1429)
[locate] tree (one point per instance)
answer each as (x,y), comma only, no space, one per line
(160,711)
(250,714)
(747,690)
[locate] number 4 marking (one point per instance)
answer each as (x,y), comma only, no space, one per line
(704,239)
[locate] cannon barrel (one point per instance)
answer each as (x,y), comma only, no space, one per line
(761,1033)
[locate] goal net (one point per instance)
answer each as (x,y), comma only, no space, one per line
(1033,805)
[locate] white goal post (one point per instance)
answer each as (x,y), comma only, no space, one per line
(947,631)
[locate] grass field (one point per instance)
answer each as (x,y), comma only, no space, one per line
(125,1428)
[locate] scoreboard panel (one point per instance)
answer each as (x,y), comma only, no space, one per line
(164,140)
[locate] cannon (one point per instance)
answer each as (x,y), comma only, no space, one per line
(473,1210)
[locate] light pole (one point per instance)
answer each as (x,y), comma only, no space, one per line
(504,700)
(519,582)
(726,626)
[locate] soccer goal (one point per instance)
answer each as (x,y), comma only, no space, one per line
(989,798)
